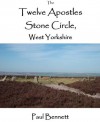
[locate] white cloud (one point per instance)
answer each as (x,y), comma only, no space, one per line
(32,52)
(49,52)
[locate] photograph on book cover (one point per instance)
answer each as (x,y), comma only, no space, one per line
(50,75)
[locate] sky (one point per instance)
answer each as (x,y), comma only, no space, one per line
(69,58)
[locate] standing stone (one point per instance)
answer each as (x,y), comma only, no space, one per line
(4,79)
(25,76)
(36,79)
(39,77)
(13,78)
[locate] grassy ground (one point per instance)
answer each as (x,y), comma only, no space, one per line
(56,80)
(24,92)
(46,80)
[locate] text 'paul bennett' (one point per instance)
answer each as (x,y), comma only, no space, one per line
(47,116)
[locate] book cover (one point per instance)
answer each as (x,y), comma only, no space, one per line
(49,60)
